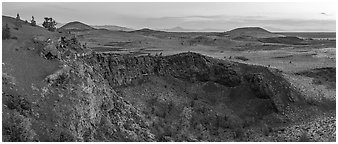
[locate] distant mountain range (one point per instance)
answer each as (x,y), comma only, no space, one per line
(120,28)
(174,29)
(180,29)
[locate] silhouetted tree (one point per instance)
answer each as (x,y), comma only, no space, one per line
(6,34)
(18,21)
(18,16)
(33,22)
(49,24)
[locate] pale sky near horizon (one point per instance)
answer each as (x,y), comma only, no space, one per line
(284,16)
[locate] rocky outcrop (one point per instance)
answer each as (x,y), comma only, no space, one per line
(51,52)
(123,70)
(219,95)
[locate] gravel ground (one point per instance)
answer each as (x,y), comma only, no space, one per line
(320,129)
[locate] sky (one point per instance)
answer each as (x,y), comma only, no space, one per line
(221,16)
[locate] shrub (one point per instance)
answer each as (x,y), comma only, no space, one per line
(241,58)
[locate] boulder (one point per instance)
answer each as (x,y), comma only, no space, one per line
(51,52)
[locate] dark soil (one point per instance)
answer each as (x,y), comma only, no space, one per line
(283,40)
(322,76)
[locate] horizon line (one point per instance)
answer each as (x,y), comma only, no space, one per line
(188,30)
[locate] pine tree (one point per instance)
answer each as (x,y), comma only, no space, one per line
(6,34)
(18,16)
(33,22)
(49,24)
(18,21)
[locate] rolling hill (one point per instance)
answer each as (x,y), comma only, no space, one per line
(147,31)
(255,32)
(76,26)
(112,28)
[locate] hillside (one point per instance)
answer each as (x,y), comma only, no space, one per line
(20,54)
(76,26)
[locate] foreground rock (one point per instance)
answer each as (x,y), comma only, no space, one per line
(191,97)
(123,70)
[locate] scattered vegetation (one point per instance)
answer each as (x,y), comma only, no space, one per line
(283,40)
(322,76)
